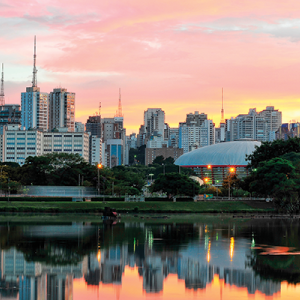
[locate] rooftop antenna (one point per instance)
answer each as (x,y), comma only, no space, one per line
(222,110)
(34,77)
(99,108)
(119,111)
(2,97)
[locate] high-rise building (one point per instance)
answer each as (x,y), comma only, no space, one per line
(93,125)
(192,135)
(95,150)
(34,104)
(195,118)
(260,126)
(273,119)
(62,109)
(154,121)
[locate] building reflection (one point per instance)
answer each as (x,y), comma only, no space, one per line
(36,281)
(154,266)
(197,262)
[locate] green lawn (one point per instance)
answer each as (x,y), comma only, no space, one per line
(168,207)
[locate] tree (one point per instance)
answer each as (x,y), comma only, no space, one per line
(158,160)
(269,150)
(233,180)
(276,177)
(175,184)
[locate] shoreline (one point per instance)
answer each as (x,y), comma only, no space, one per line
(157,207)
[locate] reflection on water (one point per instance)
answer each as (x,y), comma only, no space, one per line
(160,259)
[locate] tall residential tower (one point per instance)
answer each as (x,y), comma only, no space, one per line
(62,109)
(34,103)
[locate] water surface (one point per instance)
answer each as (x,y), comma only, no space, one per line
(184,257)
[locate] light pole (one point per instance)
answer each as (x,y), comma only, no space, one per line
(151,177)
(231,170)
(99,166)
(164,168)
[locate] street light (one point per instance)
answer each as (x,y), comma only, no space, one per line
(206,179)
(164,166)
(99,166)
(231,170)
(151,177)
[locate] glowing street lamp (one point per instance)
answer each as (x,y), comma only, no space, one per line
(231,171)
(209,167)
(99,166)
(206,180)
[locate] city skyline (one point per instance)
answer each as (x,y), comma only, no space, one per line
(174,56)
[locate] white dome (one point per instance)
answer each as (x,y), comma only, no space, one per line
(222,154)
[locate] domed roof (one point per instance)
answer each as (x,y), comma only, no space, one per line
(222,154)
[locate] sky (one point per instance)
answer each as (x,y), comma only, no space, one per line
(171,54)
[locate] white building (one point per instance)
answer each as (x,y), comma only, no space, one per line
(95,150)
(260,126)
(62,109)
(19,144)
(67,142)
(34,109)
(192,136)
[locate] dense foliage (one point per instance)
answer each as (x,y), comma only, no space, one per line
(62,169)
(275,173)
(176,184)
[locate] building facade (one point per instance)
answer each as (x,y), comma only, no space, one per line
(66,142)
(93,125)
(19,144)
(34,109)
(152,153)
(9,114)
(154,121)
(62,109)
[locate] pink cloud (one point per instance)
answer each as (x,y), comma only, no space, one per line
(171,54)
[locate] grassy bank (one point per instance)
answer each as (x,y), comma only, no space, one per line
(144,207)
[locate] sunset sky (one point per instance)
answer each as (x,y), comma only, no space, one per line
(172,54)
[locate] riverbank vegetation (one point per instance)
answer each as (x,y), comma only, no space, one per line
(140,207)
(63,169)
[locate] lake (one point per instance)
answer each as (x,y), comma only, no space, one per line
(149,257)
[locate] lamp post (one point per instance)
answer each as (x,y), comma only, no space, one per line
(164,166)
(99,166)
(151,177)
(231,170)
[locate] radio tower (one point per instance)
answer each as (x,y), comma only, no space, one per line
(2,98)
(119,111)
(34,77)
(222,110)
